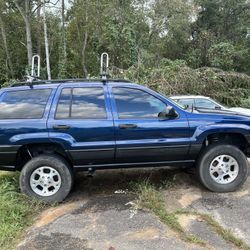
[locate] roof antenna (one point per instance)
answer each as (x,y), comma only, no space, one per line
(35,69)
(104,66)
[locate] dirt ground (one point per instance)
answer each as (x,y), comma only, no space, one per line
(100,214)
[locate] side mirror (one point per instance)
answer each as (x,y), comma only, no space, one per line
(217,107)
(169,113)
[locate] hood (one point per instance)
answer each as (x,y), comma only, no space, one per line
(211,115)
(230,111)
(242,111)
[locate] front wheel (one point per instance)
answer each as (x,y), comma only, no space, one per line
(222,168)
(46,177)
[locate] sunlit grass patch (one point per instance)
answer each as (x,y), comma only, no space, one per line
(16,210)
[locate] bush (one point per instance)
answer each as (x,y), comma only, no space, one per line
(175,77)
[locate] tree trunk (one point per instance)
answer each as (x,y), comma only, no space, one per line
(28,31)
(5,44)
(85,72)
(26,17)
(84,45)
(63,32)
(29,41)
(63,47)
(46,42)
(39,30)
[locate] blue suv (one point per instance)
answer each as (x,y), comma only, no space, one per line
(49,129)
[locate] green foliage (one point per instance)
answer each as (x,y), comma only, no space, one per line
(168,45)
(226,56)
(222,27)
(175,77)
(222,56)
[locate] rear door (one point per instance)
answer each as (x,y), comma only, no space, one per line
(141,136)
(81,120)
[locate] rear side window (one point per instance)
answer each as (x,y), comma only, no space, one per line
(81,103)
(24,104)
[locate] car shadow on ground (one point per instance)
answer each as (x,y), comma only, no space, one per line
(106,182)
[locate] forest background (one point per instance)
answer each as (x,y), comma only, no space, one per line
(175,47)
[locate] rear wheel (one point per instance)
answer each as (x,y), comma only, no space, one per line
(222,168)
(46,177)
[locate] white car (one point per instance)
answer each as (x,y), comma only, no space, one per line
(204,102)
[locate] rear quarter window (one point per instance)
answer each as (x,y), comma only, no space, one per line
(24,104)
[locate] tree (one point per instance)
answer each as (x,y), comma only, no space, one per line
(46,42)
(63,45)
(6,47)
(221,22)
(25,9)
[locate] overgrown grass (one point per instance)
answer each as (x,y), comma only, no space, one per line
(226,234)
(151,198)
(16,210)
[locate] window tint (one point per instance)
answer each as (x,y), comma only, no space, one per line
(63,107)
(81,103)
(134,103)
(24,104)
(204,103)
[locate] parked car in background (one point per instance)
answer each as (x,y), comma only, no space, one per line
(204,102)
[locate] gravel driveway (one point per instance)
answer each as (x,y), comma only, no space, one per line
(100,214)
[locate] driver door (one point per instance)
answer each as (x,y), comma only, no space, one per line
(141,136)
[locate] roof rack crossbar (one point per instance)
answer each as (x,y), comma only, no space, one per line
(59,81)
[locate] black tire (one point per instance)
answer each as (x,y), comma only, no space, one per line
(206,158)
(55,162)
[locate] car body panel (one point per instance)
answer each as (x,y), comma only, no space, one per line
(152,139)
(102,144)
(87,141)
(17,132)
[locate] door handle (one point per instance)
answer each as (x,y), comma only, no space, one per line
(127,126)
(61,127)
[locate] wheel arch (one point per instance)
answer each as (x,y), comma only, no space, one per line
(233,138)
(31,150)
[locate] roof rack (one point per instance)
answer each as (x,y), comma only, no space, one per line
(104,72)
(57,81)
(34,79)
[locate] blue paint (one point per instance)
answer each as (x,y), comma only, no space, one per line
(102,142)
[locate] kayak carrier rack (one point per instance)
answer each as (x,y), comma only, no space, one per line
(34,77)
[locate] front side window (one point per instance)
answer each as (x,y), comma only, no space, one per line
(24,104)
(137,104)
(81,103)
